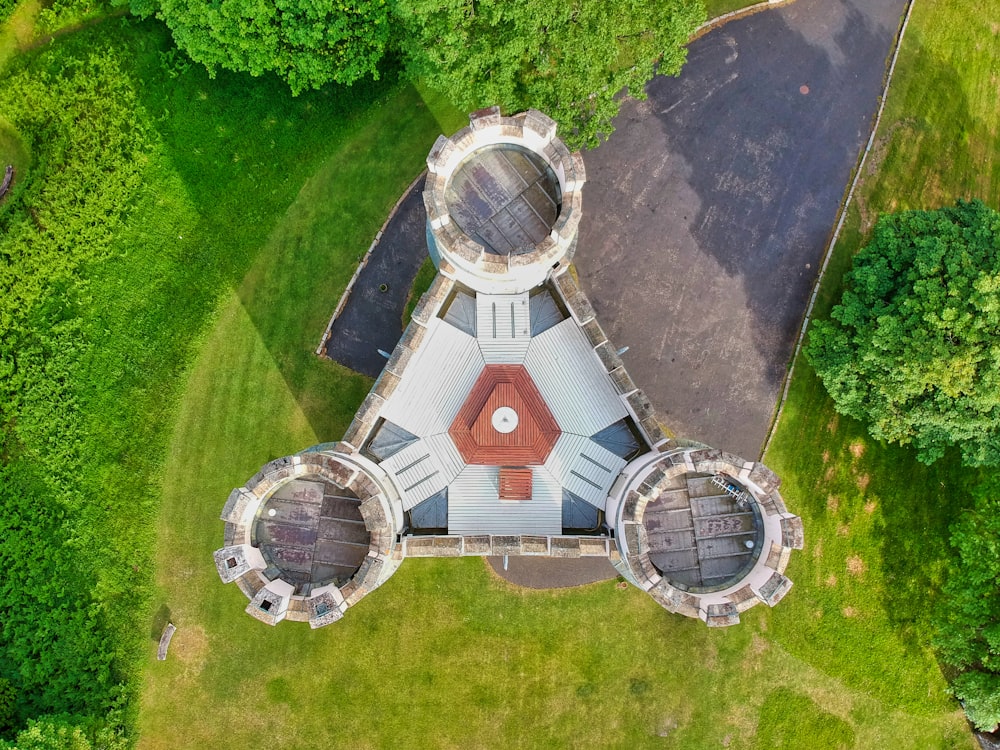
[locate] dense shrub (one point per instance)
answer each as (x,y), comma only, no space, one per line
(912,348)
(968,617)
(66,626)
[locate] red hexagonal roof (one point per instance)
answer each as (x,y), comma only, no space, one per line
(527,444)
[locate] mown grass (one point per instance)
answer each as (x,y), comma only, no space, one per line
(716,8)
(876,520)
(221,162)
(447,655)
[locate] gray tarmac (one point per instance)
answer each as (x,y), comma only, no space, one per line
(707,212)
(373,319)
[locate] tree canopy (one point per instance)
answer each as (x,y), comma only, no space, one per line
(568,59)
(307,42)
(968,617)
(913,348)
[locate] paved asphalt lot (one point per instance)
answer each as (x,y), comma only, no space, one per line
(373,319)
(707,212)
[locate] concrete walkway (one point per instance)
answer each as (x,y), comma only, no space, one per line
(707,212)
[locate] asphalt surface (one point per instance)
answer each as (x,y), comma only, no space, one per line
(552,572)
(707,212)
(373,319)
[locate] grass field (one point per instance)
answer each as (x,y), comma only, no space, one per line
(716,8)
(881,511)
(254,210)
(447,655)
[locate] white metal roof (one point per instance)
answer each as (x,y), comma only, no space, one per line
(503,327)
(584,468)
(436,381)
(474,505)
(572,380)
(425,467)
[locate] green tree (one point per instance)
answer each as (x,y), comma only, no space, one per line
(8,705)
(913,348)
(50,733)
(306,42)
(568,59)
(967,618)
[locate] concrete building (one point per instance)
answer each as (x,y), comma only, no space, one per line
(504,423)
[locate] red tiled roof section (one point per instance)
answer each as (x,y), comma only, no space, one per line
(515,484)
(479,442)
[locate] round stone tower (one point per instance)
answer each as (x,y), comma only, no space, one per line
(503,201)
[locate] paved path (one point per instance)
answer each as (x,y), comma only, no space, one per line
(553,573)
(372,319)
(707,212)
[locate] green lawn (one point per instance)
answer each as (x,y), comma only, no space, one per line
(194,363)
(446,655)
(862,502)
(716,8)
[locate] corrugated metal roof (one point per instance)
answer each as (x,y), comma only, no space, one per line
(436,381)
(462,313)
(545,313)
(504,327)
(424,468)
(584,468)
(474,505)
(572,380)
(390,439)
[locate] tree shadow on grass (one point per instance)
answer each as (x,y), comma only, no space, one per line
(247,154)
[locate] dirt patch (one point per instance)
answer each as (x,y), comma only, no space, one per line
(849,612)
(856,566)
(758,645)
(830,473)
(667,726)
(844,529)
(870,507)
(857,449)
(862,482)
(831,426)
(826,457)
(189,646)
(831,580)
(832,503)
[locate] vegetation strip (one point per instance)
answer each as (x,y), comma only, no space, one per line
(836,232)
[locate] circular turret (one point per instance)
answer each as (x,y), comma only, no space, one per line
(706,533)
(308,536)
(503,201)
